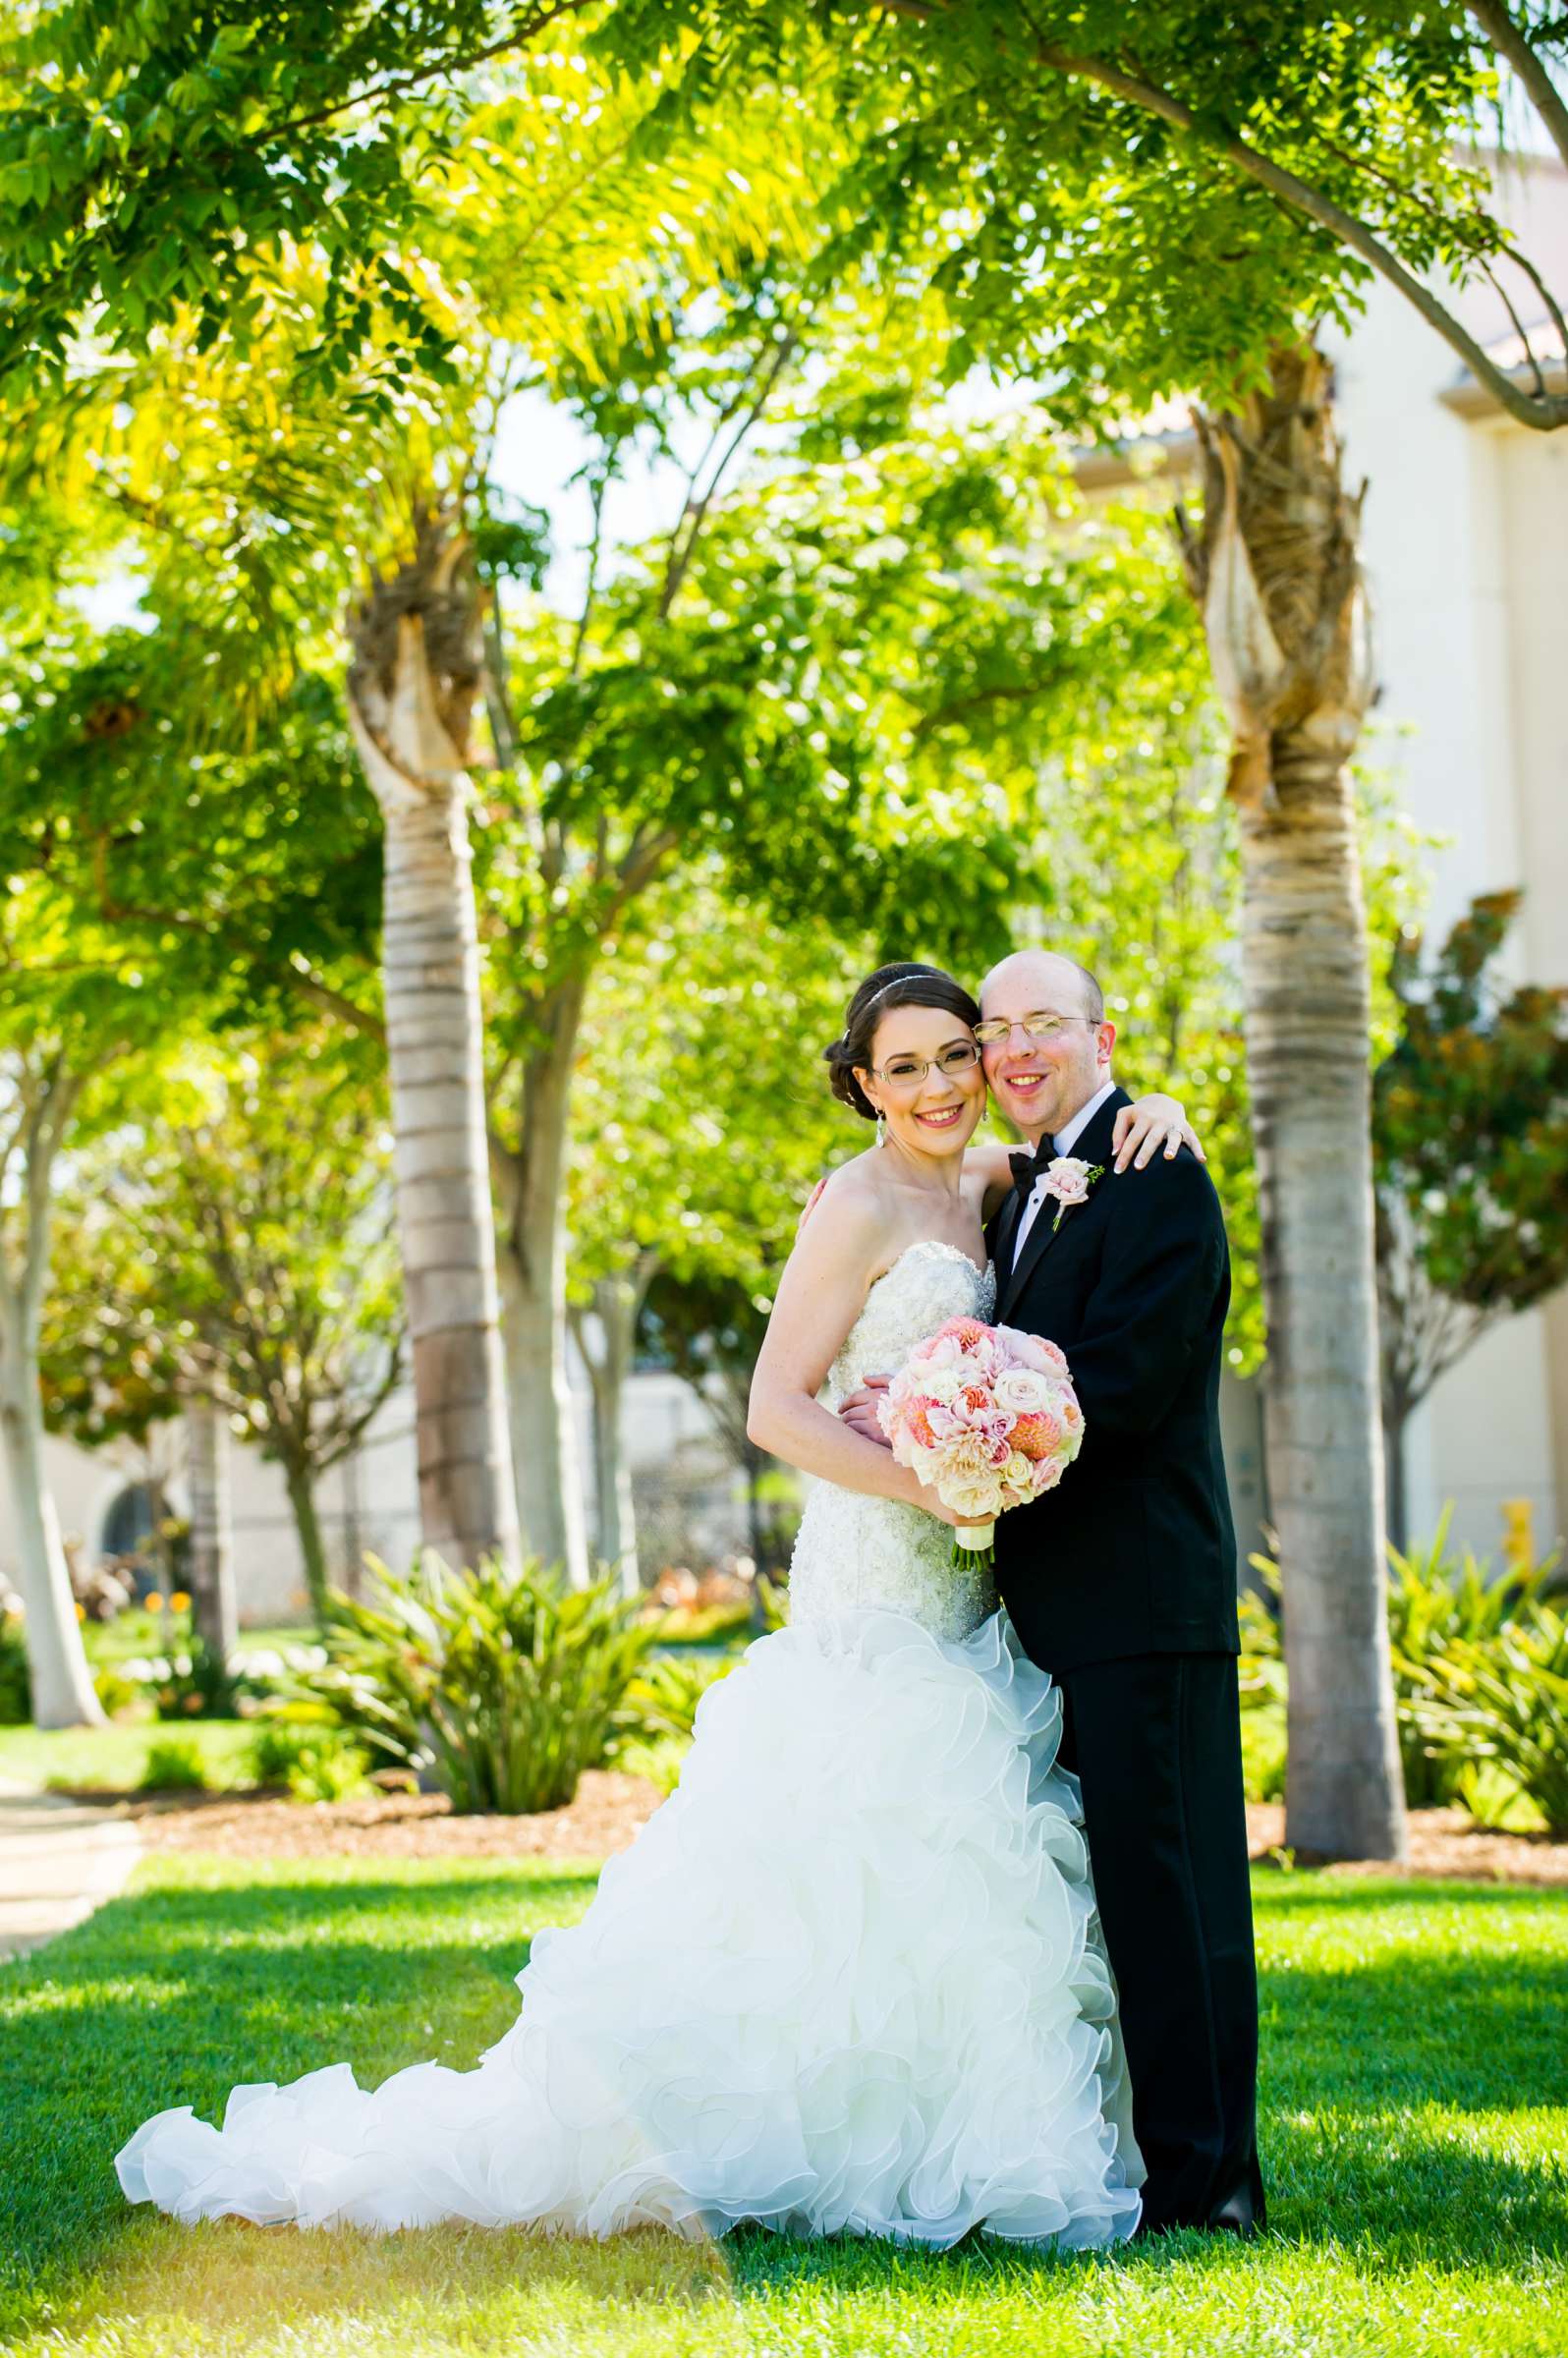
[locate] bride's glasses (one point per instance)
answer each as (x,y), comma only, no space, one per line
(1037,1027)
(907,1072)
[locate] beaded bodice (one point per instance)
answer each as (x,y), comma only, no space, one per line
(854,1551)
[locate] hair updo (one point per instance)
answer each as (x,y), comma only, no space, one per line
(905,984)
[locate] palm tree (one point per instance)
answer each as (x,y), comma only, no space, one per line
(415,675)
(1274,567)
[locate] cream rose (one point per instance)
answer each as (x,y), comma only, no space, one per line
(1023,1391)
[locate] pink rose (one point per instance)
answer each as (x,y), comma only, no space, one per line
(1067,1179)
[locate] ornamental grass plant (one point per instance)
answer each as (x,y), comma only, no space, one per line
(497,1690)
(1501,1703)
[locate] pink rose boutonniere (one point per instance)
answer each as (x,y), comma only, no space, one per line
(1069,1181)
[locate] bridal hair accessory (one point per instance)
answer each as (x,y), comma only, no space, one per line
(988,1418)
(1069,1180)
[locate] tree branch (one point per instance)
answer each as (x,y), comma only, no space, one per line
(695,513)
(1512,43)
(1542,412)
(514,38)
(1528,409)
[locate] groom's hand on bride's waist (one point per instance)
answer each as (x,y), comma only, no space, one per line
(859,1410)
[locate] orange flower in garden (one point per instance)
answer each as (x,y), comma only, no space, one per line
(154,1602)
(179,1602)
(82,1611)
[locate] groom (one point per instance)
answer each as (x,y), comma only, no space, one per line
(1122,1583)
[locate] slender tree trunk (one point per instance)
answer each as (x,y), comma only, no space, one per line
(415,673)
(307,1525)
(63,1694)
(549,1485)
(216,1611)
(754,1463)
(616,1301)
(1276,571)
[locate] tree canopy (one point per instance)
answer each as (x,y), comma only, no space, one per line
(1172,199)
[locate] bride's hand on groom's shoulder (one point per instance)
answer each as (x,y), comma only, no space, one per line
(858,1410)
(1141,1130)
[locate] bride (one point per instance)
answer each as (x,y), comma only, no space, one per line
(849,1978)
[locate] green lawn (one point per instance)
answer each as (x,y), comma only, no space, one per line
(112,1758)
(139,1632)
(1415,2116)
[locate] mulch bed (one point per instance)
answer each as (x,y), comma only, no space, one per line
(1442,1843)
(608,1809)
(603,1816)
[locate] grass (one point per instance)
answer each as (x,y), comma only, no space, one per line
(1415,2117)
(111,1759)
(137,1632)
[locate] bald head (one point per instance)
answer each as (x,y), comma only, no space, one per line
(1044,1070)
(1044,978)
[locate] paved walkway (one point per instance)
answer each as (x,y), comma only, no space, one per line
(58,1860)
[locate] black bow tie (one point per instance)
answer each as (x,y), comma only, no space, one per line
(1027,1169)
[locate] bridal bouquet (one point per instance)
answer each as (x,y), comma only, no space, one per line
(988,1418)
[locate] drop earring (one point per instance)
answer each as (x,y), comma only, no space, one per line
(881,1127)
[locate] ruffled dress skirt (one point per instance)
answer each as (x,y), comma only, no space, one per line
(847,1980)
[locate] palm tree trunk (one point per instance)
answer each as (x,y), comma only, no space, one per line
(1303,962)
(1275,569)
(416,674)
(206,1441)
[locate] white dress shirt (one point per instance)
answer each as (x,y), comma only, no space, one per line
(1062,1144)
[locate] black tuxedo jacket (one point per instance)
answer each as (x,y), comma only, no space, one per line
(1133,1551)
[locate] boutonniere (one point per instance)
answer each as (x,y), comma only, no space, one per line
(1069,1181)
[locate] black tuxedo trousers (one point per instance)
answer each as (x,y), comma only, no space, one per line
(1122,1585)
(1154,1742)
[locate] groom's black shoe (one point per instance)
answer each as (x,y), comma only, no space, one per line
(1236,2217)
(1241,2214)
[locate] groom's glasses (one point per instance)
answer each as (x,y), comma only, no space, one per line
(907,1072)
(1037,1027)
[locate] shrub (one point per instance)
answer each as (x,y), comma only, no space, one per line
(502,1691)
(16,1680)
(1434,1608)
(316,1764)
(661,1700)
(773,1597)
(117,1692)
(329,1769)
(173,1765)
(1503,1700)
(275,1749)
(198,1684)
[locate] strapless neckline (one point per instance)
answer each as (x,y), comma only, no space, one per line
(931,1244)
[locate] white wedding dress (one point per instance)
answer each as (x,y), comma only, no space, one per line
(847,1980)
